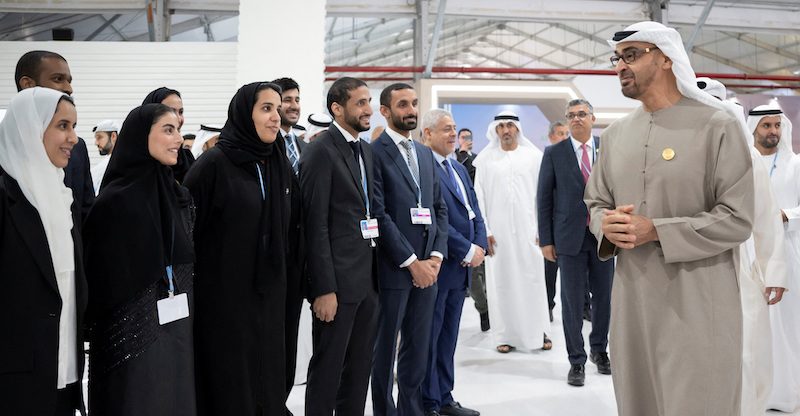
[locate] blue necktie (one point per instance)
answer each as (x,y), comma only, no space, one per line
(291,152)
(452,174)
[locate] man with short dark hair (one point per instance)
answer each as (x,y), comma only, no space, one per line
(338,198)
(413,224)
(557,132)
(564,236)
(295,266)
(49,69)
(188,140)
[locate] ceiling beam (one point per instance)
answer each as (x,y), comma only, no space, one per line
(689,44)
(549,43)
(71,20)
(437,31)
(763,45)
(731,63)
(106,24)
(526,54)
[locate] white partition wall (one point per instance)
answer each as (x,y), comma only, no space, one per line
(111,78)
(284,38)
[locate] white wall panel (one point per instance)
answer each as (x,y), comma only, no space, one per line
(111,78)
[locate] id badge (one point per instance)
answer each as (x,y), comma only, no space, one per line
(421,216)
(173,308)
(369,229)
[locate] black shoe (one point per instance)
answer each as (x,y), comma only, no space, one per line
(485,321)
(455,409)
(602,362)
(576,375)
(432,413)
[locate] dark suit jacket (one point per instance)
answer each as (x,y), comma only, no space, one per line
(559,199)
(395,195)
(296,272)
(339,259)
(462,232)
(30,307)
(78,177)
(466,159)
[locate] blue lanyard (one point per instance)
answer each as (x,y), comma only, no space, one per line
(261,182)
(774,159)
(169,267)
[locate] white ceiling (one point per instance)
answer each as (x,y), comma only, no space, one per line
(754,37)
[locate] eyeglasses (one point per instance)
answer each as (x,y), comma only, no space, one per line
(579,115)
(630,56)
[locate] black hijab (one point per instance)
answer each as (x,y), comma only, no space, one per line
(134,229)
(241,144)
(185,156)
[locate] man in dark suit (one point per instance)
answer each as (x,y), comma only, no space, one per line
(49,69)
(295,266)
(564,236)
(466,248)
(557,133)
(477,289)
(413,224)
(337,184)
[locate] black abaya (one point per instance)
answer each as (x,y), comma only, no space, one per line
(243,195)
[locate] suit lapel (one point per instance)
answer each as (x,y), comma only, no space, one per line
(347,153)
(23,213)
(394,153)
(450,185)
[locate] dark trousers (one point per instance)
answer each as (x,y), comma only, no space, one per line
(574,272)
(437,388)
(338,375)
(67,400)
(410,312)
(477,289)
(294,303)
(550,273)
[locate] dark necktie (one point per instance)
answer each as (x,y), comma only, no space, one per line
(356,153)
(451,174)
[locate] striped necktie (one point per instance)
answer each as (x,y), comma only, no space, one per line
(291,152)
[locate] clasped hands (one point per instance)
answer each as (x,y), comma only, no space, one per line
(425,272)
(627,230)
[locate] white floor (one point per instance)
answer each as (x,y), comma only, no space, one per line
(518,383)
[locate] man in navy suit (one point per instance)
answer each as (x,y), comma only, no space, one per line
(565,237)
(412,218)
(466,247)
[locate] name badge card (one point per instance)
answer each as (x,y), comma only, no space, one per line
(421,216)
(369,228)
(173,308)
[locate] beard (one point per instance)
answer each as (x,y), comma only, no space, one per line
(105,149)
(406,123)
(769,142)
(355,123)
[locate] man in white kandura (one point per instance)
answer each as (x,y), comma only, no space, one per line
(505,182)
(773,140)
(671,196)
(763,273)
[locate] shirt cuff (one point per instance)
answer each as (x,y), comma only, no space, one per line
(409,260)
(437,254)
(470,254)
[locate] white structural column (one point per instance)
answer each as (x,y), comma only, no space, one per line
(284,39)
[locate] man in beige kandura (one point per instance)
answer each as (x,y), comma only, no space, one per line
(671,196)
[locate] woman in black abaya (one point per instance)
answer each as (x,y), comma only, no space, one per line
(139,252)
(242,189)
(172,98)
